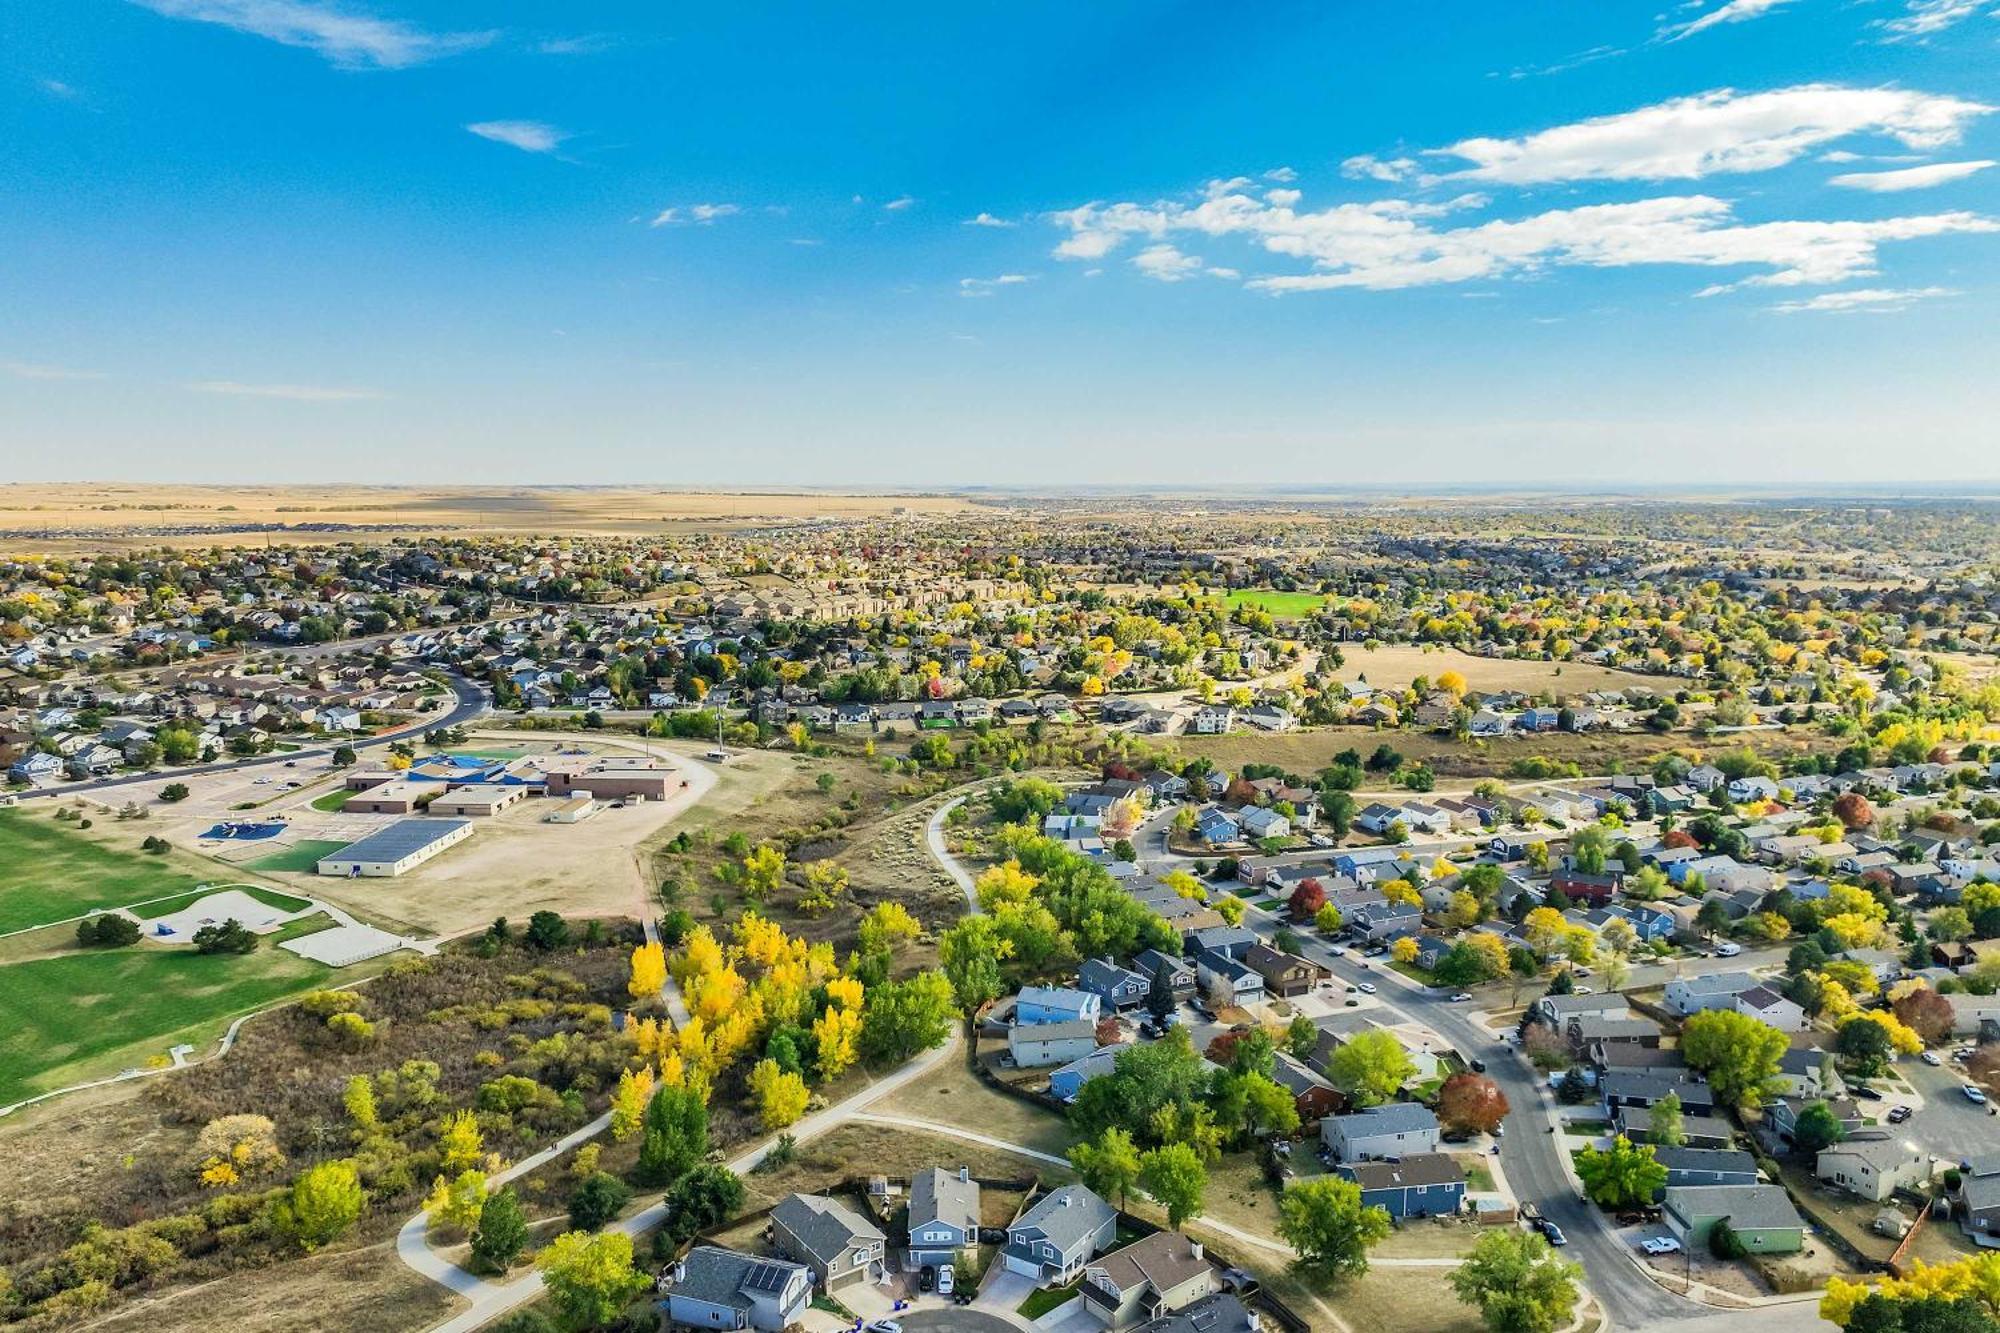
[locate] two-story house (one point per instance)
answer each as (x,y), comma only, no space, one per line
(943,1216)
(1060,1233)
(1147,1280)
(716,1288)
(835,1242)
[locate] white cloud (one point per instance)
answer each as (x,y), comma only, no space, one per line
(987,220)
(1166,263)
(26,370)
(57,88)
(1282,198)
(987,286)
(1224,273)
(589,44)
(898,205)
(1909,178)
(1367,166)
(1876,300)
(1714,132)
(297,393)
(530,136)
(347,39)
(700,215)
(1733,11)
(1921,18)
(1282,175)
(1398,243)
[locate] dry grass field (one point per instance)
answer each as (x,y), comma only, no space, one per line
(1397,664)
(42,517)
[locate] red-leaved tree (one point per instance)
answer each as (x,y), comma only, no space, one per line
(1471,1104)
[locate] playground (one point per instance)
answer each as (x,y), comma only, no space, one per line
(245,832)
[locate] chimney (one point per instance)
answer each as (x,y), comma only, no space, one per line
(965,1173)
(1195,1246)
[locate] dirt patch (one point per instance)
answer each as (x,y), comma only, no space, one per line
(357,1291)
(891,1150)
(952,1095)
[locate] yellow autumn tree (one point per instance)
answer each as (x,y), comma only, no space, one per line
(763,942)
(1004,884)
(1401,891)
(1404,950)
(781,1097)
(845,992)
(836,1035)
(649,971)
(699,955)
(459,1144)
(628,1103)
(457,1202)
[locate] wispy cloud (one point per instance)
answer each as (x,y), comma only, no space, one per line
(347,38)
(1165,263)
(1922,18)
(297,393)
(1282,175)
(27,370)
(1568,63)
(987,286)
(57,88)
(700,215)
(1731,11)
(1863,300)
(1716,132)
(898,205)
(1909,178)
(530,136)
(589,44)
(1397,243)
(1367,166)
(986,220)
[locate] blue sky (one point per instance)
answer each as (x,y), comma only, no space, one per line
(1735,240)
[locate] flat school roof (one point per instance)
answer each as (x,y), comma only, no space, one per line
(399,840)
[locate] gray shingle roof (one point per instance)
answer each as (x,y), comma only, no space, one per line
(1064,1216)
(719,1277)
(1748,1207)
(938,1195)
(1390,1118)
(826,1227)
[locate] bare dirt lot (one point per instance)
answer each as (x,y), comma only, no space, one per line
(44,517)
(1396,665)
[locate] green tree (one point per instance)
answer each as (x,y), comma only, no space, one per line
(323,1202)
(503,1231)
(675,1134)
(1371,1067)
(1109,1166)
(1160,1002)
(598,1197)
(1866,1048)
(709,1194)
(589,1277)
(1818,1127)
(1621,1176)
(970,954)
(1740,1055)
(1326,1225)
(1667,1130)
(1173,1175)
(1518,1284)
(1301,1037)
(906,1017)
(547,931)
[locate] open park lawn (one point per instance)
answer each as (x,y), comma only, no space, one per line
(1282,605)
(85,1014)
(299,858)
(52,871)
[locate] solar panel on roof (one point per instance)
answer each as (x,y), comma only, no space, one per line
(765,1277)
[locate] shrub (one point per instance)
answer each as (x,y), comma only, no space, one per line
(109,931)
(597,1200)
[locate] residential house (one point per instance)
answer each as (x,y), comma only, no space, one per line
(1060,1233)
(1284,974)
(1762,1216)
(1259,823)
(1217,828)
(1180,976)
(1979,1199)
(1782,1115)
(1713,990)
(1631,1087)
(1558,1010)
(1312,1096)
(1155,1276)
(1874,1165)
(839,1245)
(1636,1124)
(1038,1045)
(1223,1312)
(1707,1166)
(1056,1004)
(1765,1004)
(943,1216)
(1067,1082)
(1117,987)
(1395,1129)
(1429,1184)
(716,1288)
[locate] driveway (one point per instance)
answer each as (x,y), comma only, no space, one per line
(957,1319)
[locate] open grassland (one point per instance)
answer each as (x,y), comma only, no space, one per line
(297,859)
(82,1014)
(1395,665)
(363,1290)
(1282,605)
(52,871)
(952,1095)
(91,516)
(863,1149)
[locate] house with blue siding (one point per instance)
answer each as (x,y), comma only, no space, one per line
(1423,1185)
(1068,1081)
(1056,1004)
(1118,987)
(716,1288)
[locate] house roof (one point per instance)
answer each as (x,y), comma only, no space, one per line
(1055,997)
(1390,1118)
(717,1276)
(1716,983)
(1748,1207)
(1164,1260)
(826,1227)
(1067,1030)
(1063,1217)
(1416,1171)
(938,1195)
(1705,1159)
(1220,1313)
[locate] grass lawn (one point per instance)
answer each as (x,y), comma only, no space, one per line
(284,902)
(1283,605)
(952,1095)
(51,871)
(68,1017)
(1044,1299)
(299,858)
(333,800)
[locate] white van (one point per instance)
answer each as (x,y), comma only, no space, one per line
(1728,949)
(716,756)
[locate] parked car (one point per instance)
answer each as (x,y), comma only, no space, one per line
(1662,1245)
(1864,1092)
(1727,949)
(1553,1233)
(1898,1114)
(1461,997)
(1974,1094)
(1367,988)
(885,1326)
(927,1279)
(1932,1059)
(1583,990)
(944,1280)
(1319,840)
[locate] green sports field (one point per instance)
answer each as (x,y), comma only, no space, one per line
(51,872)
(1283,605)
(299,858)
(89,1014)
